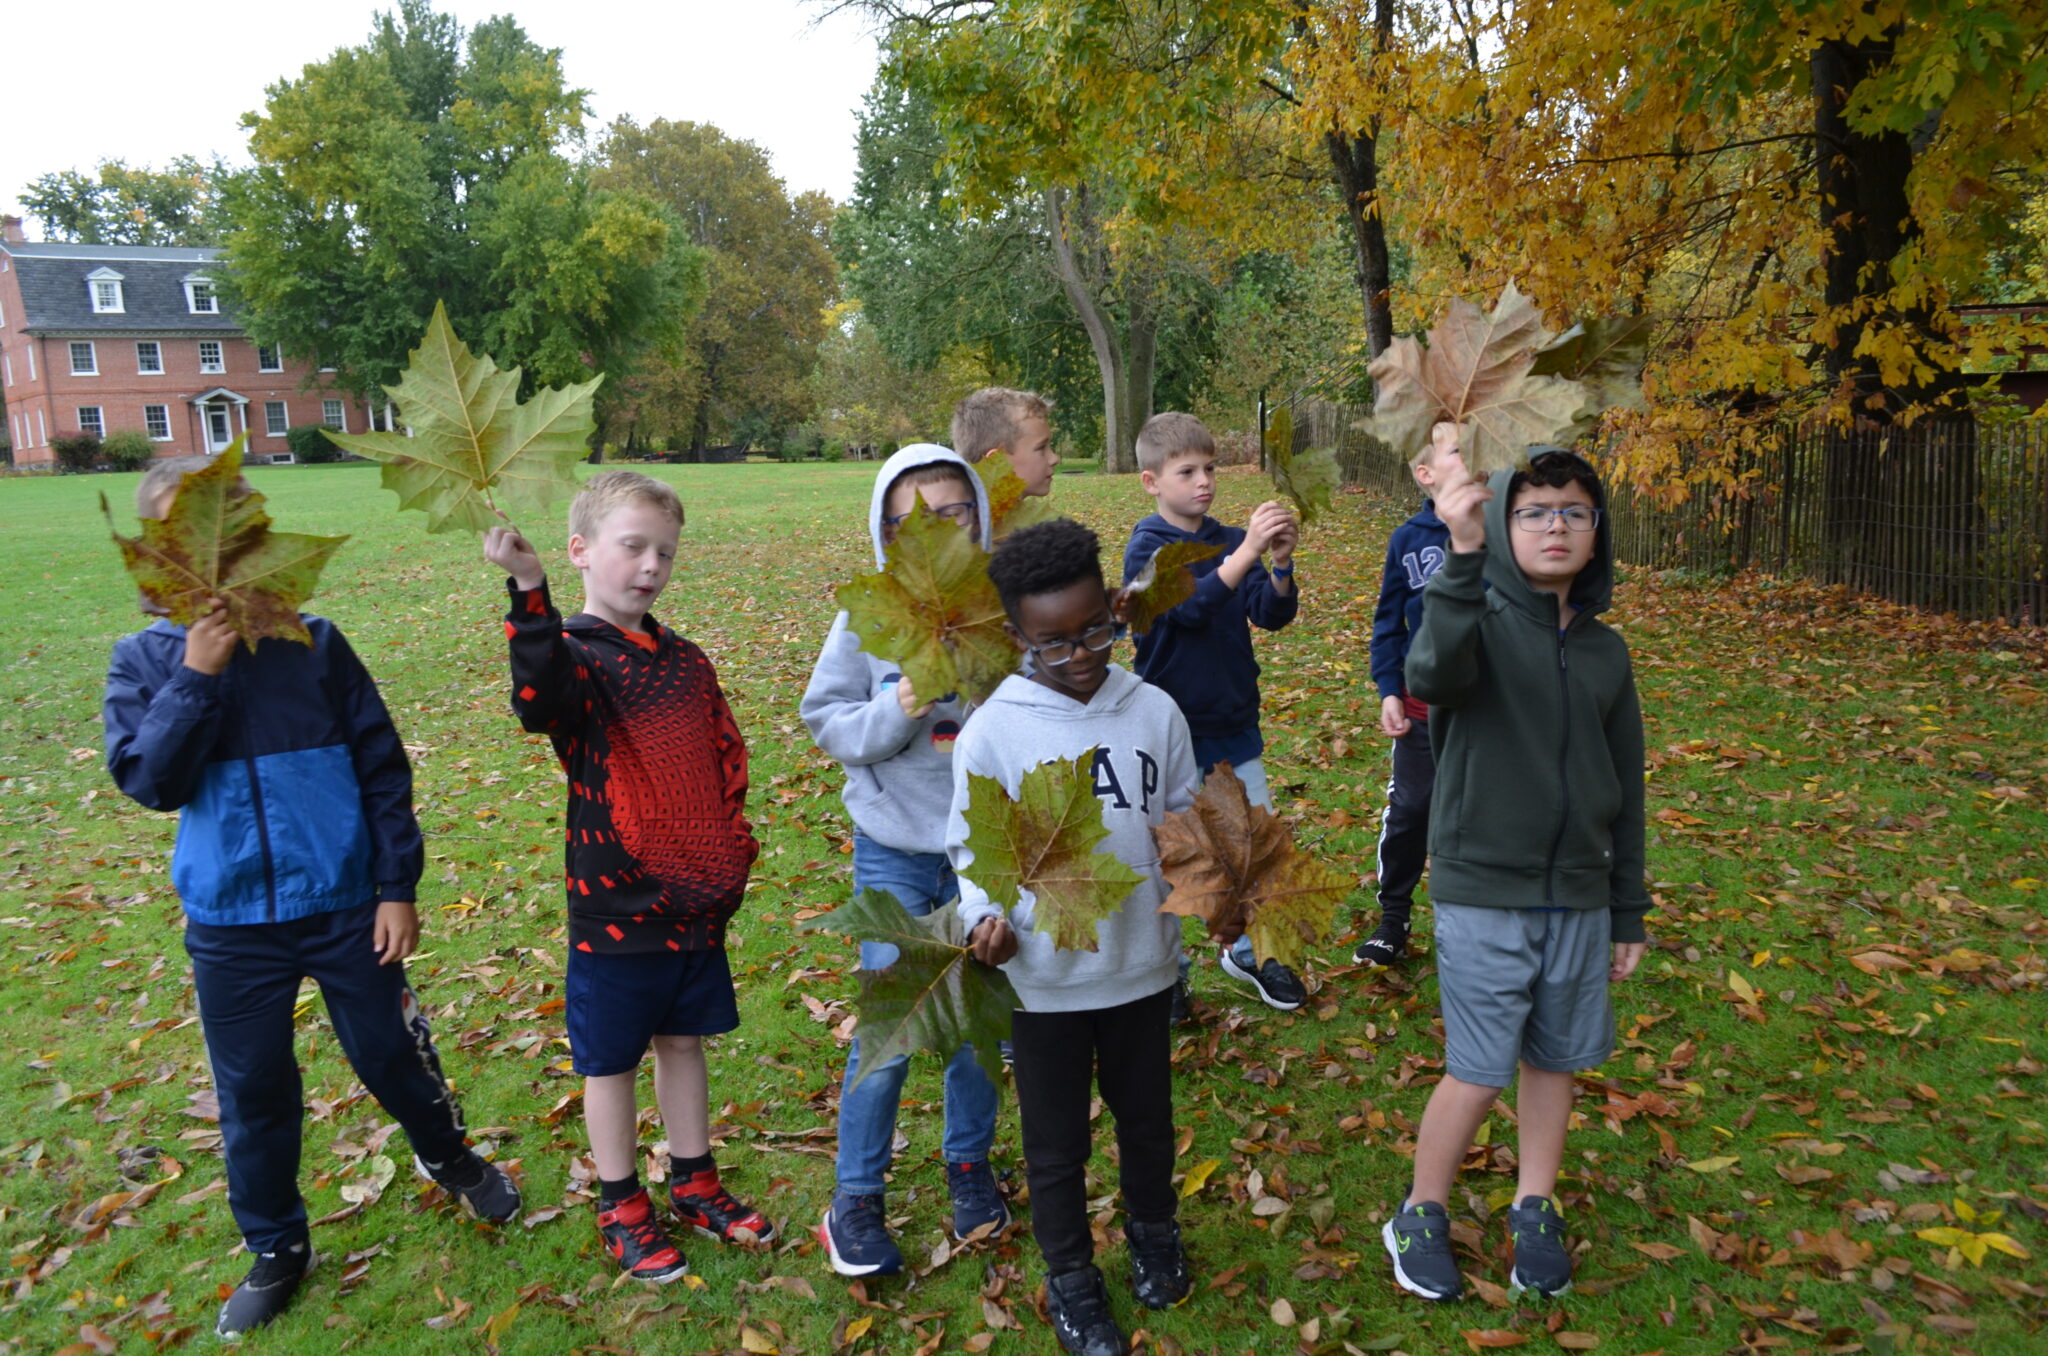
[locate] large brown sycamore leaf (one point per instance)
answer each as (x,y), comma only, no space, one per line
(934,996)
(475,448)
(1234,865)
(933,610)
(1476,371)
(1164,584)
(1009,507)
(1044,841)
(215,541)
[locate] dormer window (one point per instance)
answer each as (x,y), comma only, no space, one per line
(200,297)
(105,286)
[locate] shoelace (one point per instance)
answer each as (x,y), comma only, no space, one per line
(863,1219)
(644,1232)
(975,1190)
(717,1199)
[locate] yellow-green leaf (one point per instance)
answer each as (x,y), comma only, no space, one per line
(1707,1165)
(1198,1176)
(933,610)
(1043,840)
(1164,584)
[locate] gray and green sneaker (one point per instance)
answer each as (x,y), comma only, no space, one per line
(1418,1238)
(1541,1262)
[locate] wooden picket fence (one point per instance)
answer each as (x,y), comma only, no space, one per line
(1948,515)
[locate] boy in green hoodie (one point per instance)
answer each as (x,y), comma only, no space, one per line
(1536,840)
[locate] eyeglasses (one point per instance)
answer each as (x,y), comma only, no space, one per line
(1577,517)
(960,515)
(1054,653)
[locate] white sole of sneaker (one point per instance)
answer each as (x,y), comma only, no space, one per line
(766,1237)
(1401,1277)
(1238,972)
(1515,1282)
(844,1267)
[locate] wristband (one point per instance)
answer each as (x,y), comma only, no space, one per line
(1282,571)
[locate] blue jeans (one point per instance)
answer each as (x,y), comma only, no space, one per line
(921,882)
(1256,790)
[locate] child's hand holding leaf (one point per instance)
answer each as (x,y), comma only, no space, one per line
(1461,502)
(514,554)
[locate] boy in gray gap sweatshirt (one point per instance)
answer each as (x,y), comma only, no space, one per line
(897,747)
(1088,1016)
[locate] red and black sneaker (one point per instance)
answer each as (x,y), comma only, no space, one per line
(702,1202)
(635,1237)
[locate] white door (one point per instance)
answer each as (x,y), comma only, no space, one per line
(219,432)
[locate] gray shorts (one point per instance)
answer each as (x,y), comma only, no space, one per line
(1523,985)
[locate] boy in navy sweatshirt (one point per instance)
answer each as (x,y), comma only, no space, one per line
(298,855)
(1201,651)
(1414,553)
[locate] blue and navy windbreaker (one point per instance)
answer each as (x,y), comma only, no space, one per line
(293,790)
(1414,553)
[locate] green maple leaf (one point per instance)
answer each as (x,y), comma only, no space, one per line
(934,996)
(475,447)
(933,610)
(1164,584)
(214,541)
(1009,507)
(1475,371)
(1235,866)
(1044,841)
(1605,356)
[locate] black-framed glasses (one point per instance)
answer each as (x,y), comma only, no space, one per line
(1577,517)
(960,515)
(1095,640)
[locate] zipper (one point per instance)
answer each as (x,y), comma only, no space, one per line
(1564,784)
(256,803)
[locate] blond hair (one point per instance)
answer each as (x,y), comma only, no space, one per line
(989,418)
(1168,435)
(1427,456)
(162,479)
(609,490)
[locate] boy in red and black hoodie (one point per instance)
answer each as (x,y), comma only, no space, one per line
(658,850)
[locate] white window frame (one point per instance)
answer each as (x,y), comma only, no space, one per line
(192,297)
(92,356)
(334,415)
(158,348)
(276,356)
(276,427)
(42,429)
(98,421)
(31,360)
(154,436)
(220,357)
(115,302)
(7,367)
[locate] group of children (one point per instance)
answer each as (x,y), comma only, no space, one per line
(298,852)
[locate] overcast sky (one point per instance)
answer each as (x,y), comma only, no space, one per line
(144,82)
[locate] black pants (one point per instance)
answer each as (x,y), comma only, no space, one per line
(1404,827)
(1127,1053)
(247,979)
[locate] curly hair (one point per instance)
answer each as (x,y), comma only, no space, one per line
(1043,558)
(1554,468)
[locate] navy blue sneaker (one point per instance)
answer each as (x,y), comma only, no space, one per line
(1542,1263)
(978,1206)
(1418,1238)
(266,1291)
(856,1237)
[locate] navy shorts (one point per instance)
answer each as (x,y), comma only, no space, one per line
(617,1003)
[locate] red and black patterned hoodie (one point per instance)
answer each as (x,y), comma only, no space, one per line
(658,841)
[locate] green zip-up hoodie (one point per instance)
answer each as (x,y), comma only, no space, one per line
(1537,734)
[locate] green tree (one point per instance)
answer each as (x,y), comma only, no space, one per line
(119,204)
(429,165)
(744,373)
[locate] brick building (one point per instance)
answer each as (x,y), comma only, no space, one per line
(101,338)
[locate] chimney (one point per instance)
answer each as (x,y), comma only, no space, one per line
(10,231)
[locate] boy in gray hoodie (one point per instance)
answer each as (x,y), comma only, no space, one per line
(897,747)
(1097,1016)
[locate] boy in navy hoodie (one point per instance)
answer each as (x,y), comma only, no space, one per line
(297,857)
(1201,651)
(1414,553)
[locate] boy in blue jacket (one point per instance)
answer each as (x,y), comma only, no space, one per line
(297,856)
(1414,553)
(1201,651)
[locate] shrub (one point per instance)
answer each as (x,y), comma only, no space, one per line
(76,452)
(834,450)
(309,442)
(127,449)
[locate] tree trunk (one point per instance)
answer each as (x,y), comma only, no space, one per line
(1118,437)
(1354,156)
(1143,350)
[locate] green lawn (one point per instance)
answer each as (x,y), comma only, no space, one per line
(1835,1047)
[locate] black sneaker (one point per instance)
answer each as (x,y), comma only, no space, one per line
(1159,1265)
(637,1242)
(266,1291)
(1541,1262)
(1418,1238)
(1179,1015)
(479,1187)
(856,1237)
(1388,944)
(978,1207)
(1275,984)
(1079,1303)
